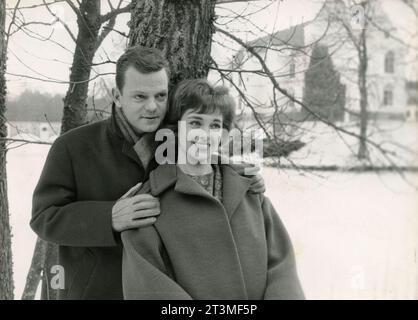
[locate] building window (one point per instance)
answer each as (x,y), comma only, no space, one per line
(388,96)
(390,62)
(292,69)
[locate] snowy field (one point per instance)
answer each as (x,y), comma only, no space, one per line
(355,235)
(325,146)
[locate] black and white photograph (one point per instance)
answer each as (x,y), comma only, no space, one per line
(215,150)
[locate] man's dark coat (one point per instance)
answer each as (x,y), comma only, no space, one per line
(86,171)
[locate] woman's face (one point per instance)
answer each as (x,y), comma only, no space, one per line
(203,134)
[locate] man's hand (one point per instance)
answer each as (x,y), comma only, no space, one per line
(252,171)
(131,212)
(257,181)
(257,184)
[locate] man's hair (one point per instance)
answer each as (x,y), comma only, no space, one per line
(199,95)
(143,59)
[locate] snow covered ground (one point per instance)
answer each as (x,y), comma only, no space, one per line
(355,235)
(325,146)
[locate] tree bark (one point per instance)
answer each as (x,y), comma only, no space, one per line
(35,271)
(75,107)
(6,265)
(181,29)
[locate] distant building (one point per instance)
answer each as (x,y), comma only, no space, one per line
(35,125)
(38,130)
(288,58)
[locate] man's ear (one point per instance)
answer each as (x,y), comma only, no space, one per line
(116,97)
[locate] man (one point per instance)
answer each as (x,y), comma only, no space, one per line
(81,201)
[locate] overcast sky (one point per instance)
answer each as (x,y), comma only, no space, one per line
(51,62)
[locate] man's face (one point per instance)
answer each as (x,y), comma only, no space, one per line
(143,99)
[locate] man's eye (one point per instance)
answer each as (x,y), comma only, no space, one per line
(140,97)
(161,97)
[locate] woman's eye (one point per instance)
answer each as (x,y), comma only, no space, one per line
(215,126)
(194,123)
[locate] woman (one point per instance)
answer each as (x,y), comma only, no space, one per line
(213,238)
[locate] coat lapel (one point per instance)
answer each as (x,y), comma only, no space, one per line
(187,185)
(142,152)
(166,175)
(130,152)
(235,187)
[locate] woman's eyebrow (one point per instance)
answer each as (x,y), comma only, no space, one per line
(194,117)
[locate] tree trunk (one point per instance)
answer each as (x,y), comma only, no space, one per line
(75,107)
(50,260)
(6,266)
(181,29)
(35,271)
(75,110)
(362,84)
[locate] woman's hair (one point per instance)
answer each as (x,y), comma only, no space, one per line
(199,95)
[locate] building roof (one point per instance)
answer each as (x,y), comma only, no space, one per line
(293,37)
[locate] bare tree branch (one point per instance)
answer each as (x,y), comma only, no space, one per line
(113,13)
(276,86)
(11,23)
(37,5)
(59,81)
(60,21)
(105,31)
(25,141)
(233,1)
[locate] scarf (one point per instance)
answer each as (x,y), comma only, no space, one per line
(143,145)
(211,182)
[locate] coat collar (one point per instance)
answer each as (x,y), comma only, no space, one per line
(112,125)
(145,147)
(234,186)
